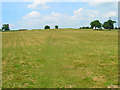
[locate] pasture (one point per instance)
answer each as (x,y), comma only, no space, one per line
(70,58)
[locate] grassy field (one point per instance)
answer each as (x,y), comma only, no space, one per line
(59,59)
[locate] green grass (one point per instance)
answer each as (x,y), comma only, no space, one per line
(70,58)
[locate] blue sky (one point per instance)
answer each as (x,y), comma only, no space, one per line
(35,15)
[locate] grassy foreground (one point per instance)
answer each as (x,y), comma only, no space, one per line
(59,59)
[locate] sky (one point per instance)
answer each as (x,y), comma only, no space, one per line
(36,14)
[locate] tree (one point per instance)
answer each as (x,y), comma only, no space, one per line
(109,24)
(95,24)
(47,27)
(84,27)
(5,27)
(106,25)
(56,27)
(116,28)
(80,28)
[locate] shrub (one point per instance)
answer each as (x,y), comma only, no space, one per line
(116,28)
(56,27)
(47,27)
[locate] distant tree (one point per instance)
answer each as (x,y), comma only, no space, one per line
(47,27)
(56,27)
(23,29)
(85,27)
(5,27)
(95,24)
(116,28)
(109,24)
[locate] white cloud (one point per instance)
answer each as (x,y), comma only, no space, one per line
(79,17)
(55,14)
(38,5)
(11,25)
(33,14)
(82,14)
(110,14)
(77,11)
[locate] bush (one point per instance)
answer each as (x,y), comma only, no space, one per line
(56,27)
(83,27)
(47,27)
(116,28)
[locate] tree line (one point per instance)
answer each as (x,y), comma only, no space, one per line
(94,24)
(5,27)
(106,25)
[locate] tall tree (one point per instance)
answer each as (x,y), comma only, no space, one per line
(5,27)
(95,24)
(56,26)
(109,24)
